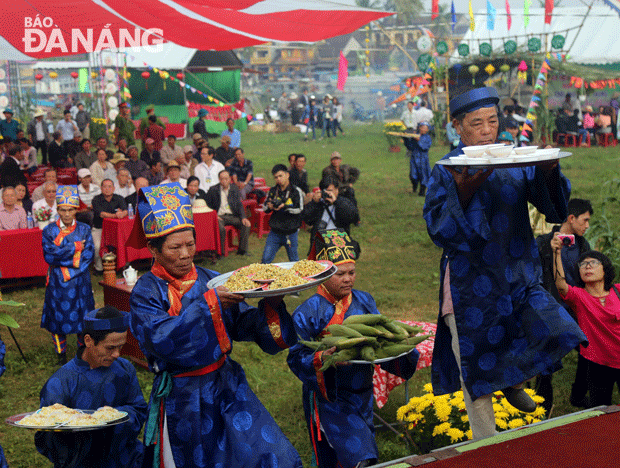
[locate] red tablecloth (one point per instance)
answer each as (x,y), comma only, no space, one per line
(384,382)
(116,232)
(21,254)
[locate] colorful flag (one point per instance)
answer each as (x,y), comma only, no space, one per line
(508,17)
(472,23)
(343,72)
(526,12)
(548,11)
(453,14)
(435,9)
(490,16)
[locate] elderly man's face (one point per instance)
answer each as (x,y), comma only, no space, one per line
(50,194)
(123,177)
(67,214)
(150,146)
(171,142)
(9,197)
(478,127)
(107,188)
(230,123)
(50,176)
(86,180)
(342,282)
(224,179)
(101,143)
(133,153)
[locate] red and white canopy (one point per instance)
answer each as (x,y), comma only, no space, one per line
(49,28)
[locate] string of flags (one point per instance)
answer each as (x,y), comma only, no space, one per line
(530,117)
(491,14)
(578,82)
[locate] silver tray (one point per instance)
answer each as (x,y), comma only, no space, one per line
(379,361)
(529,161)
(252,293)
(12,421)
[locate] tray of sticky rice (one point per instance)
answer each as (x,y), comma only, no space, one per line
(275,279)
(58,417)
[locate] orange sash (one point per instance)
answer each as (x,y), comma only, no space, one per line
(341,307)
(78,248)
(177,287)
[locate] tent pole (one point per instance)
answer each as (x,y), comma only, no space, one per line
(211,91)
(580,26)
(399,46)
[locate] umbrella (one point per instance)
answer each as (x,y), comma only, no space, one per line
(42,28)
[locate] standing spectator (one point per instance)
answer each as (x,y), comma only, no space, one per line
(29,163)
(123,126)
(304,99)
(102,143)
(380,107)
(68,248)
(138,167)
(102,169)
(23,197)
(424,113)
(37,131)
(67,127)
(207,171)
(283,106)
(145,123)
(337,113)
(82,119)
(285,203)
(199,125)
(310,118)
(155,174)
(576,224)
(74,146)
(419,168)
(10,172)
(105,205)
(242,173)
(233,133)
(224,154)
(326,112)
(299,175)
(172,151)
(596,301)
(12,216)
(8,126)
(50,175)
(125,187)
(149,153)
(173,174)
(154,132)
(328,210)
(345,174)
(410,118)
(48,201)
(224,198)
(58,155)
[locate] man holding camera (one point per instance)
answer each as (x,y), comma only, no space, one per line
(285,202)
(328,210)
(572,231)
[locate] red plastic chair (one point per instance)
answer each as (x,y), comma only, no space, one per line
(606,139)
(229,245)
(260,222)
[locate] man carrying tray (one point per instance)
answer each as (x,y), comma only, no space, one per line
(202,412)
(338,401)
(497,325)
(97,377)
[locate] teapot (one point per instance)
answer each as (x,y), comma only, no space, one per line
(131,276)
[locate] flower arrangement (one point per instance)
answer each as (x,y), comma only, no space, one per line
(43,214)
(434,421)
(393,127)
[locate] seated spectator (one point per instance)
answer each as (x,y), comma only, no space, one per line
(172,151)
(233,133)
(196,145)
(74,146)
(118,162)
(224,154)
(139,167)
(86,191)
(155,175)
(132,199)
(173,174)
(224,198)
(105,205)
(10,171)
(12,216)
(291,161)
(194,191)
(242,173)
(121,146)
(329,210)
(23,197)
(299,176)
(57,153)
(85,158)
(29,162)
(50,176)
(155,132)
(48,201)
(346,175)
(124,187)
(604,120)
(188,166)
(588,122)
(102,143)
(102,168)
(207,171)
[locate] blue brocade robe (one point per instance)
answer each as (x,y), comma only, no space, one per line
(344,394)
(3,463)
(76,385)
(510,328)
(419,168)
(69,293)
(213,420)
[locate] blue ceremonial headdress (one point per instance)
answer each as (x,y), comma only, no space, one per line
(162,209)
(473,100)
(113,324)
(67,195)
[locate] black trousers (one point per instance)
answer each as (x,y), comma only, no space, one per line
(601,380)
(43,145)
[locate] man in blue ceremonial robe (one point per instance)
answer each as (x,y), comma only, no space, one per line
(419,168)
(97,377)
(497,325)
(68,248)
(202,410)
(338,401)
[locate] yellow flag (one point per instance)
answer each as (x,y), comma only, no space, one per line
(472,23)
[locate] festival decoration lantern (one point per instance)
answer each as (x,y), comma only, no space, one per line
(558,41)
(53,75)
(489,69)
(93,75)
(442,48)
(38,77)
(473,69)
(533,44)
(180,76)
(463,50)
(146,75)
(424,44)
(423,61)
(74,75)
(522,73)
(485,49)
(504,68)
(510,47)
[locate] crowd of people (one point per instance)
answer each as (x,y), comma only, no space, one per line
(508,312)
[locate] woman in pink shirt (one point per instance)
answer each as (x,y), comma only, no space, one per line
(596,302)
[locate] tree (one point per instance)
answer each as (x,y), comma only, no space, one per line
(406,10)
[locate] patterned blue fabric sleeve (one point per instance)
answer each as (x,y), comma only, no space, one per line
(425,142)
(55,255)
(135,404)
(549,194)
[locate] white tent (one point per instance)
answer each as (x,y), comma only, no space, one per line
(591,35)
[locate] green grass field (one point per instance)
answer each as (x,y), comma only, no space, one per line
(399,266)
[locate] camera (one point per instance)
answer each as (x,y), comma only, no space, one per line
(276,202)
(567,239)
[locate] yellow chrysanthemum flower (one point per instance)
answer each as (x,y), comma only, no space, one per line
(539,412)
(497,407)
(428,388)
(441,429)
(465,418)
(455,434)
(461,406)
(518,422)
(442,409)
(469,434)
(400,413)
(501,424)
(538,399)
(501,414)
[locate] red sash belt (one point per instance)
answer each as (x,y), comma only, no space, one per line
(205,370)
